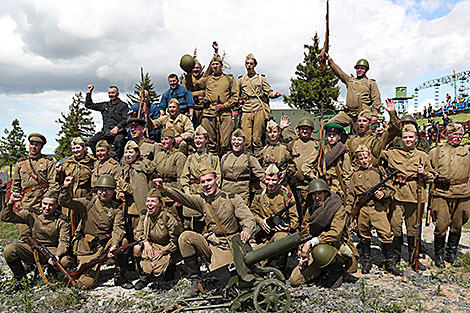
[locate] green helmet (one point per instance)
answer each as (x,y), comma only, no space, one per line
(323,255)
(362,62)
(106,180)
(318,185)
(187,63)
(409,118)
(306,121)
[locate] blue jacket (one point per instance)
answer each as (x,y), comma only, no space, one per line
(184,97)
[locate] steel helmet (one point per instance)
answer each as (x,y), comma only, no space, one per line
(187,63)
(318,185)
(409,118)
(323,255)
(306,121)
(362,62)
(106,180)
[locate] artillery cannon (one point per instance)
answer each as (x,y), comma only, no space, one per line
(249,287)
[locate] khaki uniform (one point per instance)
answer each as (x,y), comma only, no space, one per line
(225,88)
(109,166)
(198,96)
(274,154)
(233,215)
(238,170)
(362,94)
(373,213)
(422,143)
(162,232)
(451,208)
(182,126)
(255,92)
(148,148)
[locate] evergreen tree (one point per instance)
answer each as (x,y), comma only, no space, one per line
(12,145)
(312,85)
(77,123)
(135,97)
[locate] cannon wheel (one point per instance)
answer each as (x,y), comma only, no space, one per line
(243,303)
(273,273)
(271,296)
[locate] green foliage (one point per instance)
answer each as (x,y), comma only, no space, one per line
(8,231)
(12,145)
(135,96)
(312,86)
(77,123)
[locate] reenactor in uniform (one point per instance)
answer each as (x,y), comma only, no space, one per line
(33,176)
(411,162)
(148,148)
(241,172)
(50,228)
(422,142)
(326,220)
(179,122)
(450,194)
(180,94)
(362,94)
(373,213)
(197,92)
(255,93)
(101,217)
(272,200)
(226,214)
(105,164)
(158,232)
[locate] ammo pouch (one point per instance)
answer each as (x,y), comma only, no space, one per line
(442,183)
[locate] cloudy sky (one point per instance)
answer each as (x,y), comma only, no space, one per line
(52,49)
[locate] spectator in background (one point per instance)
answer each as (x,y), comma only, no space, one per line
(430,130)
(438,132)
(448,99)
(429,110)
(453,109)
(446,120)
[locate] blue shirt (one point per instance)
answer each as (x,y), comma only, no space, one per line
(184,97)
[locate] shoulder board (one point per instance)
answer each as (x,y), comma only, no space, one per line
(47,157)
(396,148)
(148,141)
(113,161)
(421,149)
(231,75)
(240,76)
(63,217)
(223,195)
(372,79)
(89,197)
(231,195)
(22,159)
(258,191)
(263,75)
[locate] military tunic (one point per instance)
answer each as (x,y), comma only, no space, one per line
(422,143)
(182,126)
(198,96)
(275,154)
(109,166)
(148,148)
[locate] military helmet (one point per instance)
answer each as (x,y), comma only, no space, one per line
(187,63)
(306,121)
(318,185)
(362,62)
(409,118)
(106,180)
(323,255)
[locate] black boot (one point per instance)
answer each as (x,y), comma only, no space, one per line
(397,243)
(19,273)
(411,247)
(138,259)
(120,278)
(439,243)
(191,267)
(451,249)
(390,266)
(366,257)
(143,281)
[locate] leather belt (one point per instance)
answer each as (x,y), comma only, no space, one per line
(36,187)
(194,181)
(237,179)
(459,182)
(169,180)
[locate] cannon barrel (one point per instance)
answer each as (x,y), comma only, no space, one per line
(275,248)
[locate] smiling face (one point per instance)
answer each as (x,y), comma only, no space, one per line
(454,139)
(35,148)
(237,143)
(113,94)
(173,109)
(271,182)
(48,206)
(197,69)
(250,66)
(102,153)
(105,194)
(216,67)
(318,197)
(273,134)
(153,205)
(200,141)
(360,71)
(209,183)
(131,155)
(137,131)
(363,158)
(363,124)
(168,143)
(409,139)
(78,151)
(332,138)
(305,132)
(173,82)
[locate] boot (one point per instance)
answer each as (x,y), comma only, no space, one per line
(439,243)
(191,267)
(143,281)
(120,278)
(411,247)
(366,257)
(138,259)
(397,243)
(19,273)
(451,249)
(390,266)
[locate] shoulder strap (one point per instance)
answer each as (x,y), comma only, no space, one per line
(253,89)
(216,219)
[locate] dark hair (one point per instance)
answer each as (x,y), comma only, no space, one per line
(173,75)
(115,87)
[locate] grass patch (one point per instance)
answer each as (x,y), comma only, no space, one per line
(8,231)
(467,225)
(457,118)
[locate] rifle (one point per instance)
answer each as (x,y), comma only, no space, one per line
(100,259)
(274,220)
(419,226)
(284,162)
(219,148)
(326,45)
(321,165)
(428,212)
(44,251)
(143,102)
(369,194)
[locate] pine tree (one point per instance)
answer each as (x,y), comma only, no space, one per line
(77,123)
(312,86)
(135,96)
(12,145)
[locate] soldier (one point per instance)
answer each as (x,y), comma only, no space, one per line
(158,231)
(272,200)
(181,94)
(241,172)
(422,142)
(154,111)
(105,164)
(189,178)
(179,122)
(33,176)
(114,113)
(450,194)
(100,217)
(226,214)
(333,251)
(50,228)
(373,213)
(255,93)
(148,148)
(362,94)
(197,92)
(411,162)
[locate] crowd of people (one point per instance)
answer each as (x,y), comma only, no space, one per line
(186,181)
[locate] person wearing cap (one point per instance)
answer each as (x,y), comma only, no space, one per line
(101,229)
(50,228)
(271,200)
(422,143)
(154,111)
(158,232)
(220,96)
(33,176)
(410,162)
(181,94)
(197,92)
(189,178)
(114,113)
(255,93)
(179,122)
(372,213)
(241,172)
(225,215)
(375,143)
(362,93)
(330,254)
(148,148)
(105,163)
(450,192)
(337,164)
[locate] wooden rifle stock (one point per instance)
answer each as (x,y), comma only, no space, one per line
(419,226)
(326,45)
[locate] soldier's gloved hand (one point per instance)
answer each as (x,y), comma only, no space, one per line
(244,236)
(68,181)
(90,88)
(265,226)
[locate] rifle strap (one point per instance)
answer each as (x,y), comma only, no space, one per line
(40,270)
(33,174)
(340,179)
(218,223)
